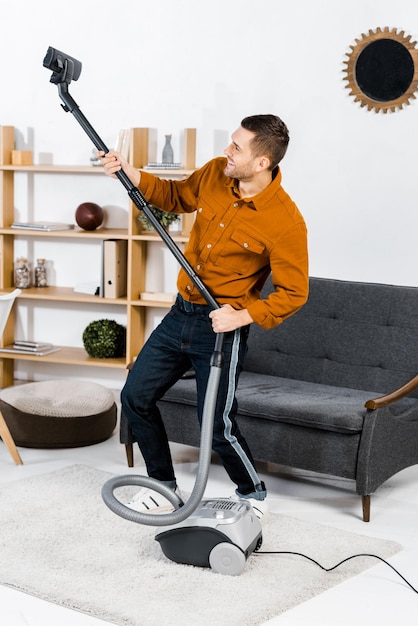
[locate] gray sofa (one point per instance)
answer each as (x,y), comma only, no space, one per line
(333,390)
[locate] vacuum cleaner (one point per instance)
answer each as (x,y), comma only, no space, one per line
(216,533)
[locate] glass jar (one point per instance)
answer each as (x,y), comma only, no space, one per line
(41,278)
(22,273)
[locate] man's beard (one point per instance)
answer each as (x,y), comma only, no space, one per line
(239,173)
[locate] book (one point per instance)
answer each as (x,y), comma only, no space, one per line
(92,289)
(12,349)
(115,256)
(31,346)
(123,142)
(45,226)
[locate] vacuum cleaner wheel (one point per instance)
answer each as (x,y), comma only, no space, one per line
(227,558)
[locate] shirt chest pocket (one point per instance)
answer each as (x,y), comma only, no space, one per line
(242,253)
(204,218)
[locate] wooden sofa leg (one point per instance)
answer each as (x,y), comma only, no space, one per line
(366,508)
(129,454)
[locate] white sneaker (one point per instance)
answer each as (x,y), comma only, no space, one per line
(260,507)
(150,501)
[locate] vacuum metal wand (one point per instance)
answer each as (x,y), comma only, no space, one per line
(65,68)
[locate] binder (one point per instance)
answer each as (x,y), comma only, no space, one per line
(115,253)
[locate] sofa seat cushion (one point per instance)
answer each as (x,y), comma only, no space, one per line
(311,405)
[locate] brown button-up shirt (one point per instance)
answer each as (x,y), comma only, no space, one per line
(235,242)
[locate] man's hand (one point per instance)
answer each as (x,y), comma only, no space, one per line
(227,318)
(113,162)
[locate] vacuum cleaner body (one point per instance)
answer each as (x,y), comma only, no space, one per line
(221,534)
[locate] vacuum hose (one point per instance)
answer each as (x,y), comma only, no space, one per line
(182,511)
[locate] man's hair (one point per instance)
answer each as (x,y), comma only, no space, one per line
(271,137)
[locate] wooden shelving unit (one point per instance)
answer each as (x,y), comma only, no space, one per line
(137,239)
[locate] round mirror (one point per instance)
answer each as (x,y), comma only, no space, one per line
(382,70)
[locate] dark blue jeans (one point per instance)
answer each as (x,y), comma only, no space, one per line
(183,339)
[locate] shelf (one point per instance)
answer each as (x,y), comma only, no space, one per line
(54,169)
(156,238)
(68,356)
(86,169)
(100,233)
(63,301)
(66,294)
(162,304)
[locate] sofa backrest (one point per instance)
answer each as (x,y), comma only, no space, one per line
(348,334)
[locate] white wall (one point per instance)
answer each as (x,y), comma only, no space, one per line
(170,64)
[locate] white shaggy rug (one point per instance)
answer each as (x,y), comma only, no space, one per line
(60,542)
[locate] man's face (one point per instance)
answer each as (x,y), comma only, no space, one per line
(241,163)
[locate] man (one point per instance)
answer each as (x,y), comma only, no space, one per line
(246,226)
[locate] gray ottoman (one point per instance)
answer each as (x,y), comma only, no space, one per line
(58,413)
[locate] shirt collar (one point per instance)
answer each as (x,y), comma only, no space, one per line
(260,200)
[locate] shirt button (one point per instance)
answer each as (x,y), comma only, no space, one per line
(236,204)
(209,245)
(245,245)
(221,225)
(200,209)
(188,288)
(198,267)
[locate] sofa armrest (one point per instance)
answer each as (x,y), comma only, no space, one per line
(390,398)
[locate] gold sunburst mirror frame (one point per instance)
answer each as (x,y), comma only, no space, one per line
(382,70)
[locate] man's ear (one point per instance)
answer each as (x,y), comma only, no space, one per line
(263,163)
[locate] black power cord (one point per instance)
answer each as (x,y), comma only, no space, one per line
(329,569)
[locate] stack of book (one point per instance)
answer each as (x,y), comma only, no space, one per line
(163,166)
(30,347)
(45,226)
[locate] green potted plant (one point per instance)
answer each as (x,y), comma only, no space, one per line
(105,339)
(163,217)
